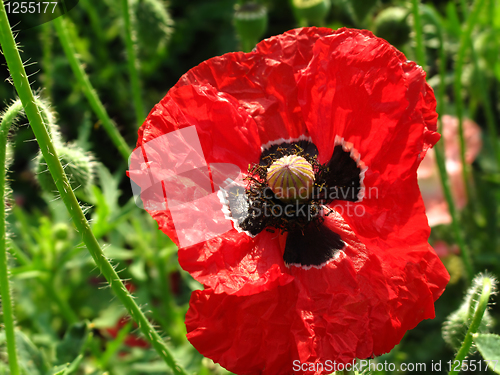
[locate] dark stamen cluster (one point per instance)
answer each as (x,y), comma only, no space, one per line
(266,210)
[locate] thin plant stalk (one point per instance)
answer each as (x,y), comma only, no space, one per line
(47,38)
(439,150)
(49,152)
(488,107)
(130,43)
(474,326)
(95,23)
(485,98)
(465,40)
(65,309)
(420,50)
(88,89)
(7,306)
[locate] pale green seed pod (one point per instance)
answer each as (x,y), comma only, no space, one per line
(291,178)
(250,21)
(314,12)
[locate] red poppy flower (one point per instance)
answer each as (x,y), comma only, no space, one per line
(347,270)
(131,340)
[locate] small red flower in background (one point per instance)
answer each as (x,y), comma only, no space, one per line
(347,278)
(131,340)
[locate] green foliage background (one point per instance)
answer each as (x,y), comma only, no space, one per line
(63,308)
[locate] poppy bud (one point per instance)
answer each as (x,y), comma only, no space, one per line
(61,231)
(250,21)
(392,25)
(291,178)
(77,165)
(154,27)
(313,12)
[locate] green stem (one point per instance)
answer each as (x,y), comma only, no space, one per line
(95,24)
(465,39)
(22,86)
(47,58)
(440,152)
(247,45)
(88,90)
(419,38)
(130,43)
(488,107)
(474,326)
(64,308)
(7,307)
(114,345)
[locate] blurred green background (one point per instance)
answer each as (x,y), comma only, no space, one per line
(55,282)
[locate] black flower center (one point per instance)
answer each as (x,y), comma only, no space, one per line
(257,206)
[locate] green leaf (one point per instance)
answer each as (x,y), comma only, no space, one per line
(361,9)
(109,185)
(138,269)
(453,23)
(109,317)
(30,358)
(74,365)
(58,370)
(488,345)
(72,343)
(100,221)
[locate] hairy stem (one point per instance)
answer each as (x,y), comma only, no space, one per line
(22,86)
(7,307)
(88,90)
(474,326)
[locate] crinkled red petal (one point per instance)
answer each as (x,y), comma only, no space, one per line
(360,88)
(235,263)
(293,47)
(265,88)
(356,306)
(226,133)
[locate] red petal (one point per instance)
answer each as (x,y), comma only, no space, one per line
(360,88)
(264,87)
(358,305)
(225,131)
(364,301)
(246,335)
(293,47)
(227,134)
(234,263)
